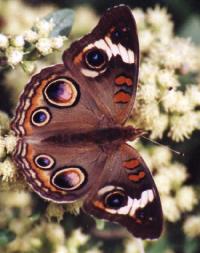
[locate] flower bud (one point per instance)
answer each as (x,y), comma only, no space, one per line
(30,36)
(57,42)
(44,46)
(44,27)
(18,41)
(14,56)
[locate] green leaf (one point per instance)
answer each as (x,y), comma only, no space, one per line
(191,245)
(63,20)
(160,246)
(6,236)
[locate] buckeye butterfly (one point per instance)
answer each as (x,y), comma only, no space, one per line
(71,135)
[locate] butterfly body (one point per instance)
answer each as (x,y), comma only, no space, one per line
(70,124)
(99,136)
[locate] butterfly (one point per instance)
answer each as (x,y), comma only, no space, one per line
(71,135)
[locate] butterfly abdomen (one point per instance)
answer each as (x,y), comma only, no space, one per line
(99,136)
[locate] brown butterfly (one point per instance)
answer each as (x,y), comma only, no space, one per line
(71,134)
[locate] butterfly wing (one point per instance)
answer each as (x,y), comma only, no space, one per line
(126,193)
(101,95)
(107,62)
(55,107)
(57,172)
(54,100)
(61,99)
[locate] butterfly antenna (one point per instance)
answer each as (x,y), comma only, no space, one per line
(140,245)
(165,146)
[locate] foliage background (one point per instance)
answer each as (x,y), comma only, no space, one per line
(31,225)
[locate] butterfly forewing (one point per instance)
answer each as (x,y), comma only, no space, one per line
(107,61)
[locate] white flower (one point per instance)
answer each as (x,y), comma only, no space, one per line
(163,183)
(170,209)
(44,46)
(139,17)
(167,78)
(3,41)
(18,41)
(55,211)
(77,239)
(16,199)
(158,17)
(193,93)
(177,174)
(186,198)
(57,42)
(60,249)
(191,226)
(35,242)
(161,156)
(158,126)
(181,127)
(93,250)
(2,147)
(7,170)
(167,55)
(55,233)
(14,56)
(145,38)
(31,36)
(44,27)
(29,66)
(148,72)
(150,113)
(131,246)
(176,101)
(147,92)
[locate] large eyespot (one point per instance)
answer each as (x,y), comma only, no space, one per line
(62,92)
(44,161)
(115,200)
(40,117)
(96,58)
(69,178)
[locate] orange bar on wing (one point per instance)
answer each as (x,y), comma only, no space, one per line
(121,97)
(123,80)
(78,58)
(98,204)
(131,164)
(138,177)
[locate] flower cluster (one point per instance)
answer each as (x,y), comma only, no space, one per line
(169,176)
(37,41)
(166,102)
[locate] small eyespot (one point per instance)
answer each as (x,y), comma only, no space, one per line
(119,34)
(115,199)
(96,58)
(40,117)
(44,161)
(62,92)
(69,178)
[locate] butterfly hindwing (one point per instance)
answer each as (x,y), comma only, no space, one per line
(57,172)
(126,193)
